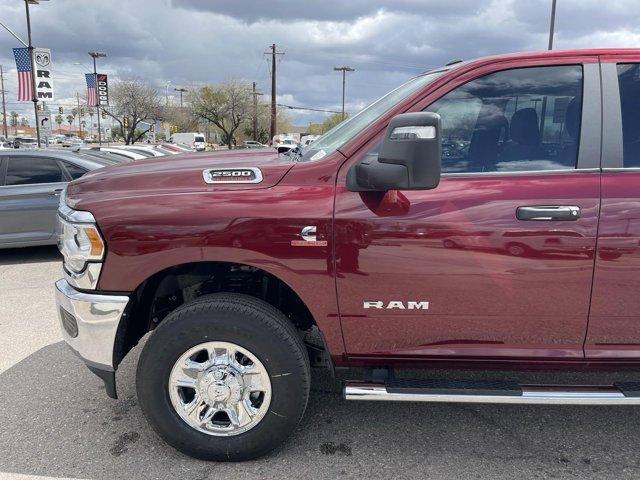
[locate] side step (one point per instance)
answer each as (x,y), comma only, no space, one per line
(470,391)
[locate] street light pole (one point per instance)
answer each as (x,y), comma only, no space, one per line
(181,90)
(344,69)
(4,105)
(552,23)
(33,68)
(94,55)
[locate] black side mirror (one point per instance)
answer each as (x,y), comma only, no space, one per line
(409,157)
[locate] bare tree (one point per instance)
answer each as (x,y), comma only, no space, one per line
(227,105)
(136,101)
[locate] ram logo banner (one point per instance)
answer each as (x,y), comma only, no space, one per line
(44,84)
(103,89)
(396,305)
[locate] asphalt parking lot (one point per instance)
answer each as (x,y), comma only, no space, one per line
(57,422)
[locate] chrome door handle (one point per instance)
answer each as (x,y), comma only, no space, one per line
(548,212)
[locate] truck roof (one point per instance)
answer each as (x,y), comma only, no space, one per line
(576,52)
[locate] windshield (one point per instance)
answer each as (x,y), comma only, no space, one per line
(345,131)
(199,139)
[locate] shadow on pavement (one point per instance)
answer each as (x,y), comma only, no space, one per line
(16,256)
(56,421)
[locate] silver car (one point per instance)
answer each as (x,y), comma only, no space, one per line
(30,187)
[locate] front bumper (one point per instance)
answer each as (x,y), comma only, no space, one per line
(89,323)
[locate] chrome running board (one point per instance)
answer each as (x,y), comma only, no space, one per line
(525,394)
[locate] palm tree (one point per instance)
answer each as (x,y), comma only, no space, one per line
(70,119)
(14,121)
(59,121)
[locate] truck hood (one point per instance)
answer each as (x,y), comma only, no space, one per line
(177,174)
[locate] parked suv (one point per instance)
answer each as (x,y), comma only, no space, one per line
(483,214)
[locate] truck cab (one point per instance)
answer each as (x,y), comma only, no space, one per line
(482,215)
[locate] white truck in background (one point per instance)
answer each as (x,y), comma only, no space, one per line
(192,139)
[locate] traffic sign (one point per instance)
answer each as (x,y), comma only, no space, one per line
(45,123)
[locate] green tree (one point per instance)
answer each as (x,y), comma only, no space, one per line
(14,121)
(138,102)
(59,121)
(227,105)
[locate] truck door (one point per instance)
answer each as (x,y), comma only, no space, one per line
(614,323)
(497,261)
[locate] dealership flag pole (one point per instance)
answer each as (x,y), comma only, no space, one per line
(33,70)
(95,55)
(552,23)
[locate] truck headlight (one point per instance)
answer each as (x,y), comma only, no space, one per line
(81,245)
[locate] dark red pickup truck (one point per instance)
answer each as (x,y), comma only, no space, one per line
(483,214)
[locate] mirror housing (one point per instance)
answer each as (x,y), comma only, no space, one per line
(409,158)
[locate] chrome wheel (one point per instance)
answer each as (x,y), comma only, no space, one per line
(220,388)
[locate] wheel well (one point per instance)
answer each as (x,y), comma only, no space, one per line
(166,290)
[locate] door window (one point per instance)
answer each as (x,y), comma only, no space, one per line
(525,119)
(25,170)
(629,83)
(74,170)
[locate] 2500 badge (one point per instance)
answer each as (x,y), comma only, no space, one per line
(232,175)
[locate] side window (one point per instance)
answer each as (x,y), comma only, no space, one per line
(525,119)
(74,170)
(629,82)
(29,170)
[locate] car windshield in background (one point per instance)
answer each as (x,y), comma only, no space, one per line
(199,139)
(345,131)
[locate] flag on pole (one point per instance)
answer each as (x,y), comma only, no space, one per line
(92,96)
(23,64)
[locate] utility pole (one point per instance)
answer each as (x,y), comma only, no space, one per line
(181,90)
(255,111)
(4,106)
(552,23)
(34,96)
(94,55)
(344,69)
(273,54)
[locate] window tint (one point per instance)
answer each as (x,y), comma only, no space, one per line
(629,82)
(74,170)
(525,119)
(25,170)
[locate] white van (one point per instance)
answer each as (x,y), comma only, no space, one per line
(193,140)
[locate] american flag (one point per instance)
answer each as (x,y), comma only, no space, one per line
(92,98)
(23,64)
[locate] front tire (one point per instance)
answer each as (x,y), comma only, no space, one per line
(225,377)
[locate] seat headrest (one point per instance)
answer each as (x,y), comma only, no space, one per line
(524,127)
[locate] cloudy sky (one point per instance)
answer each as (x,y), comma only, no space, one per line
(191,42)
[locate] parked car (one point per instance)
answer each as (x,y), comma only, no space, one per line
(252,144)
(176,148)
(107,157)
(132,155)
(242,269)
(195,141)
(308,139)
(286,144)
(30,184)
(25,143)
(147,151)
(71,142)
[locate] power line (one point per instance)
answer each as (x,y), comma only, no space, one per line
(291,107)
